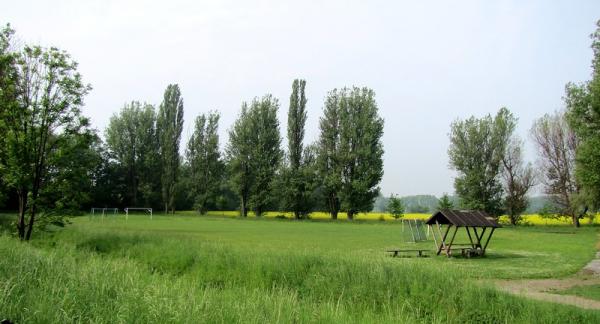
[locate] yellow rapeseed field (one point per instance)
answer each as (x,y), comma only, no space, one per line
(532,219)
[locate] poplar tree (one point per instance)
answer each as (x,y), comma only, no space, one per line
(169,125)
(132,142)
(328,154)
(205,162)
(254,154)
(239,154)
(361,148)
(266,152)
(350,151)
(298,174)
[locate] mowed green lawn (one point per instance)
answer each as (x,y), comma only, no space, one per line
(210,269)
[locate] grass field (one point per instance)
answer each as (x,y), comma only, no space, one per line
(589,291)
(189,269)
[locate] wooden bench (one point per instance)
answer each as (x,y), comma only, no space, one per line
(396,252)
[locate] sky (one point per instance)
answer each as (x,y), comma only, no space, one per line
(429,62)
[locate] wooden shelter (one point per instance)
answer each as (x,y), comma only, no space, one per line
(476,223)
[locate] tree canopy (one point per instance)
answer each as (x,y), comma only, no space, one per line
(583,113)
(42,94)
(477,147)
(169,125)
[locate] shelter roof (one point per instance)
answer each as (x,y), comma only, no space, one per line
(473,218)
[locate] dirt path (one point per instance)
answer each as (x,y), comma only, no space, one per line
(542,289)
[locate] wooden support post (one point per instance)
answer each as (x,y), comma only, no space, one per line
(470,238)
(479,237)
(444,239)
(488,241)
(448,251)
(439,228)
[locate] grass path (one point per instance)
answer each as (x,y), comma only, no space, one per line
(550,289)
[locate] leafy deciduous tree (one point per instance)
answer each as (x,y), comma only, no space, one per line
(205,162)
(477,147)
(361,150)
(395,206)
(239,153)
(298,175)
(328,159)
(445,203)
(254,154)
(133,144)
(557,146)
(266,151)
(583,113)
(518,180)
(169,125)
(43,107)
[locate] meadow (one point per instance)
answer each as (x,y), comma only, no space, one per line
(189,269)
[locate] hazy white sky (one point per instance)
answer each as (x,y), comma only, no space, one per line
(429,62)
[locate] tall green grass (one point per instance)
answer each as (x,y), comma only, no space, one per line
(100,273)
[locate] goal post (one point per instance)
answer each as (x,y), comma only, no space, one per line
(413,231)
(103,211)
(144,209)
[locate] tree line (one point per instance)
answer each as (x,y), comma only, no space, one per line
(53,163)
(493,176)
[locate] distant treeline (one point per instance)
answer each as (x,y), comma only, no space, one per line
(429,204)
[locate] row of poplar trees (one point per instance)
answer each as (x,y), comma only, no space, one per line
(340,172)
(342,169)
(54,163)
(144,145)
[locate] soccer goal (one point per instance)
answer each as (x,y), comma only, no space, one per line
(413,231)
(142,209)
(103,211)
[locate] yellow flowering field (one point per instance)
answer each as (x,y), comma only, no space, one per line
(532,219)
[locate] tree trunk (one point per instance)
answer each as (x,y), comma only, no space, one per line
(333,206)
(31,221)
(576,221)
(243,206)
(513,220)
(21,221)
(350,215)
